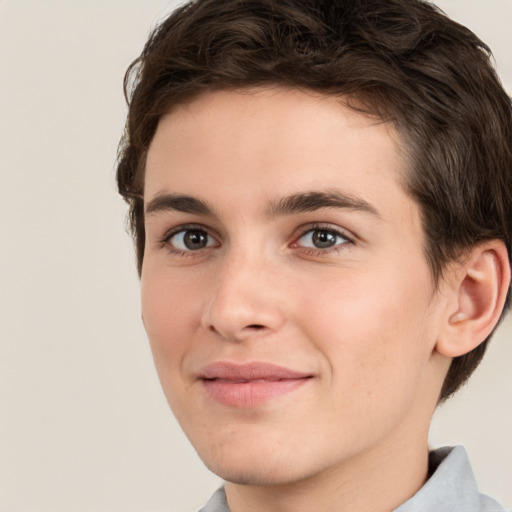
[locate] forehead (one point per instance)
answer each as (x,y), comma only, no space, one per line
(278,134)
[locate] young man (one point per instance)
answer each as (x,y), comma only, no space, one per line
(321,198)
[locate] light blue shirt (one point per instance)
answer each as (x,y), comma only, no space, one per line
(451,488)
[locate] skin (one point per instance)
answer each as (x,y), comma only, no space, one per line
(362,317)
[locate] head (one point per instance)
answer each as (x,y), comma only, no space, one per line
(402,62)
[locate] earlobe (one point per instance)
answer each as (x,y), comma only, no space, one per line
(479,286)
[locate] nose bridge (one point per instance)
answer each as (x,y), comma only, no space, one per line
(243,301)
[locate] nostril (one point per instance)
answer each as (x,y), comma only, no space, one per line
(251,327)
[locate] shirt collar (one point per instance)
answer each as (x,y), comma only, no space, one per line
(452,485)
(217,502)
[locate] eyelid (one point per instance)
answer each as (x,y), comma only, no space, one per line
(166,239)
(339,231)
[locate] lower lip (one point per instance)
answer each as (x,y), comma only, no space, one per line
(250,394)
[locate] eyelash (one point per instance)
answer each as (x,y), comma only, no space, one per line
(166,240)
(310,251)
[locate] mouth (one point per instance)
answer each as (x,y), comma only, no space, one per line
(251,384)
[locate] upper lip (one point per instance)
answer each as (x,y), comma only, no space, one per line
(247,372)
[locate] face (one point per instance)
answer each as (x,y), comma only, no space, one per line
(285,291)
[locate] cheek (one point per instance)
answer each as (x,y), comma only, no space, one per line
(168,312)
(367,326)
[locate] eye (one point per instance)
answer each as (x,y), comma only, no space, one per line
(193,239)
(321,238)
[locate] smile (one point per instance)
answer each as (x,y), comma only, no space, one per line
(249,385)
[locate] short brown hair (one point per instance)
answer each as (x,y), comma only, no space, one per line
(403,61)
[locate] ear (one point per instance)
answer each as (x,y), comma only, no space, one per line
(478,288)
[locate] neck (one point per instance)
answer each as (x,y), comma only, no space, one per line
(376,481)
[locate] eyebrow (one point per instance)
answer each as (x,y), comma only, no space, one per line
(311,201)
(179,203)
(296,203)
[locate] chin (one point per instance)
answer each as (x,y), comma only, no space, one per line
(258,464)
(253,473)
(244,477)
(241,466)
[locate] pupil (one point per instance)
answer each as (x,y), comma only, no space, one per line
(323,239)
(195,239)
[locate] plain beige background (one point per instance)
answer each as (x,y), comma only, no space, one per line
(83,422)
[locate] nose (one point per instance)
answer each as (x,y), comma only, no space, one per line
(244,300)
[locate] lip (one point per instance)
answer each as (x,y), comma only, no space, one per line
(250,384)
